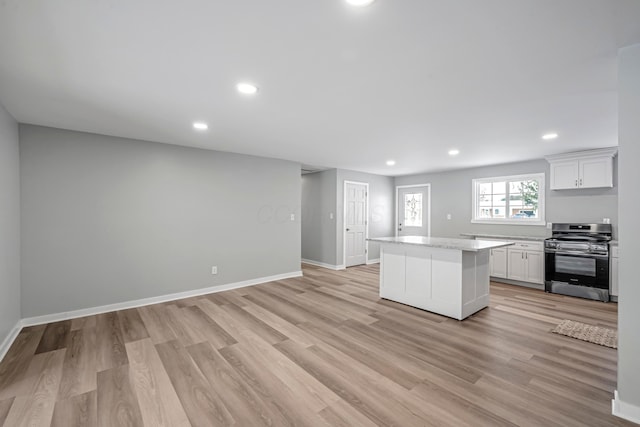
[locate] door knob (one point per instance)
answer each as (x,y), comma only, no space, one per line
(347,229)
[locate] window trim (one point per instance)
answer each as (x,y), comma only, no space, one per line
(475,185)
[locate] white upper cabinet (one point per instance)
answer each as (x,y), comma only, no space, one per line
(564,174)
(596,172)
(583,169)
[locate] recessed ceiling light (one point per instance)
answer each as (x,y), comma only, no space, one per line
(247,88)
(360,3)
(200,126)
(454,152)
(391,162)
(548,136)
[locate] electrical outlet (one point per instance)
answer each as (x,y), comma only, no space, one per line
(448,216)
(549,225)
(330,215)
(214,270)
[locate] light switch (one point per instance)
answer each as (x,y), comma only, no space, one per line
(448,216)
(330,215)
(293,217)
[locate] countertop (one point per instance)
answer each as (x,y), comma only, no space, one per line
(443,242)
(502,236)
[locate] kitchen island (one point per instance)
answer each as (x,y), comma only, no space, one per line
(442,275)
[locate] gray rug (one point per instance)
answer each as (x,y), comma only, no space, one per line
(590,333)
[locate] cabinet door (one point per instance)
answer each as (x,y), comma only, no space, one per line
(534,267)
(498,262)
(564,174)
(516,267)
(392,272)
(417,277)
(614,277)
(596,173)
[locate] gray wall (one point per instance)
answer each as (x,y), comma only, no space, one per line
(381,201)
(9,224)
(452,193)
(628,314)
(322,194)
(107,220)
(318,229)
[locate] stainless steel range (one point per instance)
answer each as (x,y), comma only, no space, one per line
(577,260)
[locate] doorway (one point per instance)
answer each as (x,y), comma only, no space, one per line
(413,210)
(356,228)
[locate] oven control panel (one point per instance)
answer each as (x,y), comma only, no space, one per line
(553,245)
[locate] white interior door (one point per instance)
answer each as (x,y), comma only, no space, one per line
(355,222)
(414,210)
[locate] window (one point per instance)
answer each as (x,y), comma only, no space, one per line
(413,209)
(509,200)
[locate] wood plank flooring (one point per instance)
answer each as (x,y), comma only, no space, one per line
(321,350)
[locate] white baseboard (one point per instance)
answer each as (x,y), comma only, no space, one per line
(56,317)
(625,410)
(323,264)
(6,344)
(373,261)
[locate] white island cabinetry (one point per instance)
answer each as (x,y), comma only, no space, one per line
(445,276)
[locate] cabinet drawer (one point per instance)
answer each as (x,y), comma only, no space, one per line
(527,245)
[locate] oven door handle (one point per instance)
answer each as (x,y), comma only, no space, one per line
(580,254)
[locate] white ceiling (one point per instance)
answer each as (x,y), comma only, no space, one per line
(339,86)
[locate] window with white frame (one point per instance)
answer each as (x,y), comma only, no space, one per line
(517,199)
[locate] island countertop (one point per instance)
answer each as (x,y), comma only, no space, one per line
(443,242)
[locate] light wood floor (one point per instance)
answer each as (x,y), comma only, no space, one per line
(320,350)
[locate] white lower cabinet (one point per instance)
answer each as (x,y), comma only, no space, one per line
(498,262)
(613,270)
(534,267)
(516,268)
(525,265)
(523,261)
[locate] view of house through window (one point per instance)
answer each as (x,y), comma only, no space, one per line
(512,199)
(413,209)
